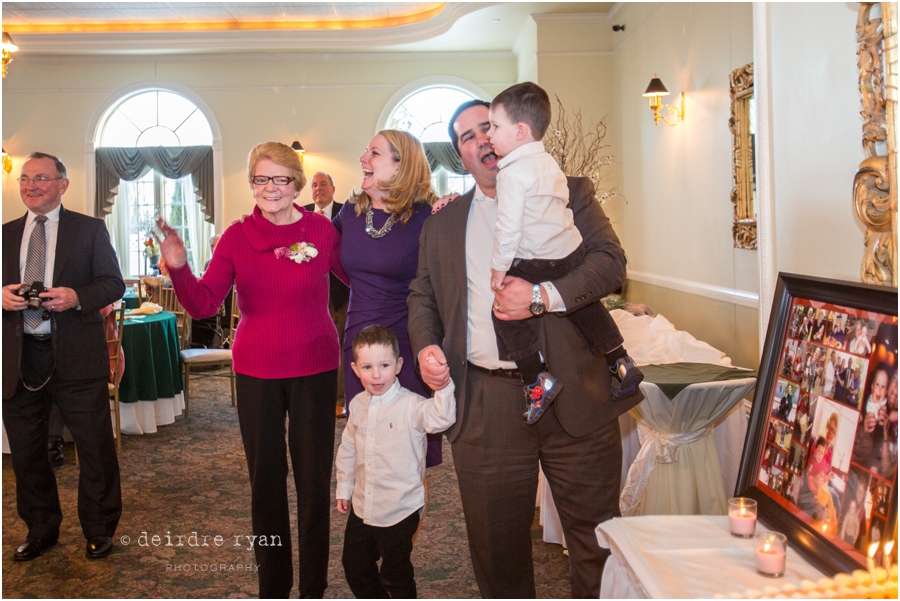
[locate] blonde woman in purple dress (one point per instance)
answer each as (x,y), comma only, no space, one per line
(380,227)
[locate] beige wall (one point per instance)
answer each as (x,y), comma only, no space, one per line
(331,103)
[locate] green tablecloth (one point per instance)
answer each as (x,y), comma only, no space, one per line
(131,301)
(152,359)
(672,378)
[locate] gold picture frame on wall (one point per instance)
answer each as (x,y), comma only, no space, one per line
(875,185)
(743,195)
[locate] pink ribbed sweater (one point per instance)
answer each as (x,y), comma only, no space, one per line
(285,329)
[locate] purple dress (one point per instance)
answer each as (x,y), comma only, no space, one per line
(380,271)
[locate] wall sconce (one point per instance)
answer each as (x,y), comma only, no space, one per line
(7,162)
(298,149)
(654,92)
(8,48)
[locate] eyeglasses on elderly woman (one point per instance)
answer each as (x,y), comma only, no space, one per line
(278,180)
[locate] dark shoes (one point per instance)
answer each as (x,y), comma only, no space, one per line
(539,395)
(32,548)
(98,547)
(626,378)
(55,450)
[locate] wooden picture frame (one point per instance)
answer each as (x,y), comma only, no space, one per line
(822,471)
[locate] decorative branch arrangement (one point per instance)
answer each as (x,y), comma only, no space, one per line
(580,153)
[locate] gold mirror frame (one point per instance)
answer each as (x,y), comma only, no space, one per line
(740,84)
(875,186)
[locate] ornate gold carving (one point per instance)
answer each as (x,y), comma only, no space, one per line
(740,83)
(874,186)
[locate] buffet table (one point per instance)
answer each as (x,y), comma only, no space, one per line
(151,391)
(660,557)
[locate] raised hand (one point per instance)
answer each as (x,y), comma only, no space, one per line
(170,245)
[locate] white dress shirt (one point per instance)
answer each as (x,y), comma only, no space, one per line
(380,464)
(51,229)
(533,219)
(481,341)
(327,211)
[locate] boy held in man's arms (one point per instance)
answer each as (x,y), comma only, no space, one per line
(380,467)
(536,239)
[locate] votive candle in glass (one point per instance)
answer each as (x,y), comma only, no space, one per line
(742,516)
(771,553)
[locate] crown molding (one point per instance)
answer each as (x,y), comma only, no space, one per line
(579,18)
(159,43)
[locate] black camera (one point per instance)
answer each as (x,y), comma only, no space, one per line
(31,292)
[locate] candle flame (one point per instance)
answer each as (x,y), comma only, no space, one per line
(766,547)
(888,547)
(872,548)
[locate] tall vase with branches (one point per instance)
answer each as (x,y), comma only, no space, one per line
(580,151)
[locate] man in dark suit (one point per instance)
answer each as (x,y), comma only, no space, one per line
(56,354)
(321,188)
(495,452)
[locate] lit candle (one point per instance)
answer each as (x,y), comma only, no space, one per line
(871,563)
(742,516)
(888,547)
(771,553)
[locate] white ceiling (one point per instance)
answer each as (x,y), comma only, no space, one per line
(458,26)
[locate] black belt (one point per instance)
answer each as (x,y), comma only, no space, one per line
(500,373)
(40,337)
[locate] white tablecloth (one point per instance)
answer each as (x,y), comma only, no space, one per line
(665,557)
(655,340)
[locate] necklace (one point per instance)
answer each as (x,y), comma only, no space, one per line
(370,229)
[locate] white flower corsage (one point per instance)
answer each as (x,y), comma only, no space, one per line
(299,252)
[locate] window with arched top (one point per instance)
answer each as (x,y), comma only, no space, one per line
(154,159)
(425,113)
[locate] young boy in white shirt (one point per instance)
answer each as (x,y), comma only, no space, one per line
(536,239)
(380,468)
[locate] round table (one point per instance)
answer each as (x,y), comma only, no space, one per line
(150,393)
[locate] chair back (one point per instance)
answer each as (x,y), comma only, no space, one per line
(114,344)
(233,319)
(169,302)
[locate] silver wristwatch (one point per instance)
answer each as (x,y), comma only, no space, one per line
(537,306)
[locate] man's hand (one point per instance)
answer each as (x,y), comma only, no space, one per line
(59,299)
(433,367)
(869,423)
(343,505)
(514,300)
(12,301)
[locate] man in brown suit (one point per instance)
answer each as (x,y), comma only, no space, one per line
(496,454)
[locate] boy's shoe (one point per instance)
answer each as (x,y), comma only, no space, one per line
(539,395)
(626,378)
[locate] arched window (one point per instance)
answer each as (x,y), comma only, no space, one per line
(425,113)
(156,118)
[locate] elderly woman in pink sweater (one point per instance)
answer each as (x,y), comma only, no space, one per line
(285,354)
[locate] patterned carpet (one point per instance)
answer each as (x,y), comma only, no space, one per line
(191,477)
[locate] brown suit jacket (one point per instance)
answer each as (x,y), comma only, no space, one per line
(438,309)
(86,262)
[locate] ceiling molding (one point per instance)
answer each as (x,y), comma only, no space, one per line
(579,18)
(168,42)
(286,57)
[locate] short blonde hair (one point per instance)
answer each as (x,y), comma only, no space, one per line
(280,154)
(411,185)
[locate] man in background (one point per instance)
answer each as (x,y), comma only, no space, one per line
(55,354)
(321,189)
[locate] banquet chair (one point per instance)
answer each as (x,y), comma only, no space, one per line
(219,359)
(169,302)
(114,359)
